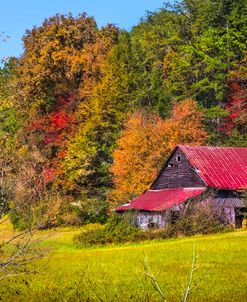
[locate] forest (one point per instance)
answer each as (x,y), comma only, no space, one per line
(88,114)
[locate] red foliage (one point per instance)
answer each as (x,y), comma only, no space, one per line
(65,102)
(56,126)
(51,133)
(48,175)
(236,105)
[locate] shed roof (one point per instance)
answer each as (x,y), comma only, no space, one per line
(226,199)
(219,167)
(160,200)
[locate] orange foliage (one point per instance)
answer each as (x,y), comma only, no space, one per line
(145,143)
(185,126)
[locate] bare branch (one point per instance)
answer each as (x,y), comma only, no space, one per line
(152,277)
(191,283)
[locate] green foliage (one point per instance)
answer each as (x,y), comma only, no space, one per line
(18,221)
(198,66)
(237,139)
(149,43)
(91,209)
(200,221)
(213,123)
(89,153)
(116,230)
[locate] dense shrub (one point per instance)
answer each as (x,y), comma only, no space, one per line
(159,234)
(91,210)
(51,211)
(19,222)
(201,220)
(120,229)
(116,230)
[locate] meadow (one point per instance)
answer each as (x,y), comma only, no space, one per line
(117,272)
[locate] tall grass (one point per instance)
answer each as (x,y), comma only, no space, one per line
(117,273)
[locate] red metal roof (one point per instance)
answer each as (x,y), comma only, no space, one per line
(219,167)
(160,200)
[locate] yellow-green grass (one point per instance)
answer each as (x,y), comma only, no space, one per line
(116,273)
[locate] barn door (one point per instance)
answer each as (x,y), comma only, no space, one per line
(239,216)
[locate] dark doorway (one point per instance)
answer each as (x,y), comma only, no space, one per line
(174,216)
(239,216)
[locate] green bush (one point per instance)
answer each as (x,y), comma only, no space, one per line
(120,229)
(116,230)
(19,222)
(159,234)
(91,209)
(201,220)
(51,211)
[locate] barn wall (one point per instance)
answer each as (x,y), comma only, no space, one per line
(178,175)
(224,203)
(144,219)
(227,204)
(230,216)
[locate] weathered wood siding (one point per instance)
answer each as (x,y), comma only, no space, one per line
(226,204)
(177,174)
(144,219)
(226,199)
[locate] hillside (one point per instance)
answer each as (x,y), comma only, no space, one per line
(88,114)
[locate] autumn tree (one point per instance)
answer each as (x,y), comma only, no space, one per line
(60,56)
(146,141)
(185,126)
(9,125)
(89,155)
(60,66)
(55,77)
(235,124)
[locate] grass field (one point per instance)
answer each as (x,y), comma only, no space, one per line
(116,273)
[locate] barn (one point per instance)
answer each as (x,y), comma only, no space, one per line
(190,172)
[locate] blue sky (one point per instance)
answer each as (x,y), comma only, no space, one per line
(18,15)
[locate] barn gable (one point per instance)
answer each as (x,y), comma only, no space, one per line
(177,173)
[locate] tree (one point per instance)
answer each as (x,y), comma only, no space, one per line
(62,55)
(55,77)
(235,124)
(146,141)
(198,66)
(9,125)
(58,70)
(20,251)
(140,151)
(150,40)
(89,155)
